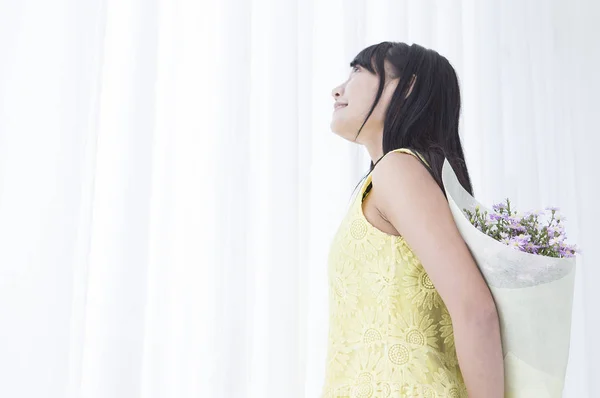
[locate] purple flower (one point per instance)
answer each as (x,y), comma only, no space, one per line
(516,243)
(517,227)
(533,248)
(514,220)
(526,232)
(515,224)
(523,237)
(559,217)
(566,252)
(529,216)
(496,217)
(557,240)
(499,206)
(569,248)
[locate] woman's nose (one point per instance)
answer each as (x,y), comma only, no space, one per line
(336,92)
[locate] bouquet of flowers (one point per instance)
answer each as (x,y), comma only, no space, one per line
(524,233)
(530,270)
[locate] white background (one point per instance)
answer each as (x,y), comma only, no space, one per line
(169,184)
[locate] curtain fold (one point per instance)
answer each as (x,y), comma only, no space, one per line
(169,183)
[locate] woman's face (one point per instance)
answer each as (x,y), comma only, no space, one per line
(358,93)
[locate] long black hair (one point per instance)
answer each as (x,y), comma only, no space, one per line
(427,120)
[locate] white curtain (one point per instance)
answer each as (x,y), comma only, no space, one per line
(169,184)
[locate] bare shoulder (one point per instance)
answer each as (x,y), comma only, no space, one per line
(414,204)
(412,201)
(403,180)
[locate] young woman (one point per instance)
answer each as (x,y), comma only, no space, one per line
(410,313)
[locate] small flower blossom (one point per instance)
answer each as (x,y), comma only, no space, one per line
(524,237)
(532,248)
(489,222)
(499,206)
(506,240)
(496,217)
(514,220)
(517,227)
(517,243)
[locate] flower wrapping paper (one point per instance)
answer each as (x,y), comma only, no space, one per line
(534,299)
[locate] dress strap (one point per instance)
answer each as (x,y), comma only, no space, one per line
(414,153)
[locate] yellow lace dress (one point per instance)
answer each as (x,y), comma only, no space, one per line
(390,334)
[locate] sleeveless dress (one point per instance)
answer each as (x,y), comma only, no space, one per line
(390,334)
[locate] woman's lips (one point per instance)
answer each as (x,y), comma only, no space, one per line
(338,106)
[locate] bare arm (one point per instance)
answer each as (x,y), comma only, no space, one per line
(414,204)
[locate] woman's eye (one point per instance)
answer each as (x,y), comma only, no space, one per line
(355,68)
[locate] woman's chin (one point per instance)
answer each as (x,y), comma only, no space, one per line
(345,135)
(335,129)
(337,126)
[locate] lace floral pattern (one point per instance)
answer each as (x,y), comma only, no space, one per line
(390,334)
(384,283)
(446,330)
(345,285)
(416,328)
(419,288)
